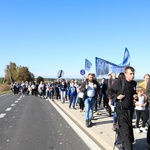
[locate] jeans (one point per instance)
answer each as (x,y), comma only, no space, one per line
(72,101)
(76,101)
(63,96)
(51,94)
(89,105)
(46,93)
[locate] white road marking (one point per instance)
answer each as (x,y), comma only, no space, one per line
(2,115)
(8,109)
(12,104)
(3,94)
(16,101)
(88,141)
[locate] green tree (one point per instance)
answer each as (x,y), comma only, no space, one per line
(39,79)
(13,73)
(23,74)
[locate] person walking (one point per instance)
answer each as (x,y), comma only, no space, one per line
(72,95)
(91,88)
(63,89)
(106,99)
(102,93)
(57,89)
(140,109)
(81,100)
(124,91)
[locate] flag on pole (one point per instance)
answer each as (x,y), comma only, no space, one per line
(126,58)
(88,65)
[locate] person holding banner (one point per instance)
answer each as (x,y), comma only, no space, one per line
(90,87)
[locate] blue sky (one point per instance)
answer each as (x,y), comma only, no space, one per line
(49,35)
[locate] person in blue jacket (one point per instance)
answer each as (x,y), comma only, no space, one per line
(72,94)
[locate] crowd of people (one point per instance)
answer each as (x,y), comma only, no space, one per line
(120,96)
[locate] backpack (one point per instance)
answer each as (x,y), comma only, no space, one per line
(122,85)
(117,142)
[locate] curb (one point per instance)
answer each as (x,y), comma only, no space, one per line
(101,142)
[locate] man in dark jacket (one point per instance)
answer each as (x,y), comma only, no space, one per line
(91,88)
(148,96)
(124,93)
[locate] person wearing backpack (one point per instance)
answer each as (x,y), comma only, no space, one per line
(125,106)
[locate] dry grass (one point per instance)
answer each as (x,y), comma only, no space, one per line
(4,88)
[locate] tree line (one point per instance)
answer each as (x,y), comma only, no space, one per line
(14,73)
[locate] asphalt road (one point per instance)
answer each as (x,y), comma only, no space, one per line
(32,123)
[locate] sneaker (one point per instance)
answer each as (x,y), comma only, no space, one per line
(143,129)
(137,130)
(69,106)
(87,123)
(120,147)
(146,127)
(90,123)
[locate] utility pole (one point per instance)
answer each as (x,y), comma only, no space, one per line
(4,80)
(9,73)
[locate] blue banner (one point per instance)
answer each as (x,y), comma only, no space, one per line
(104,67)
